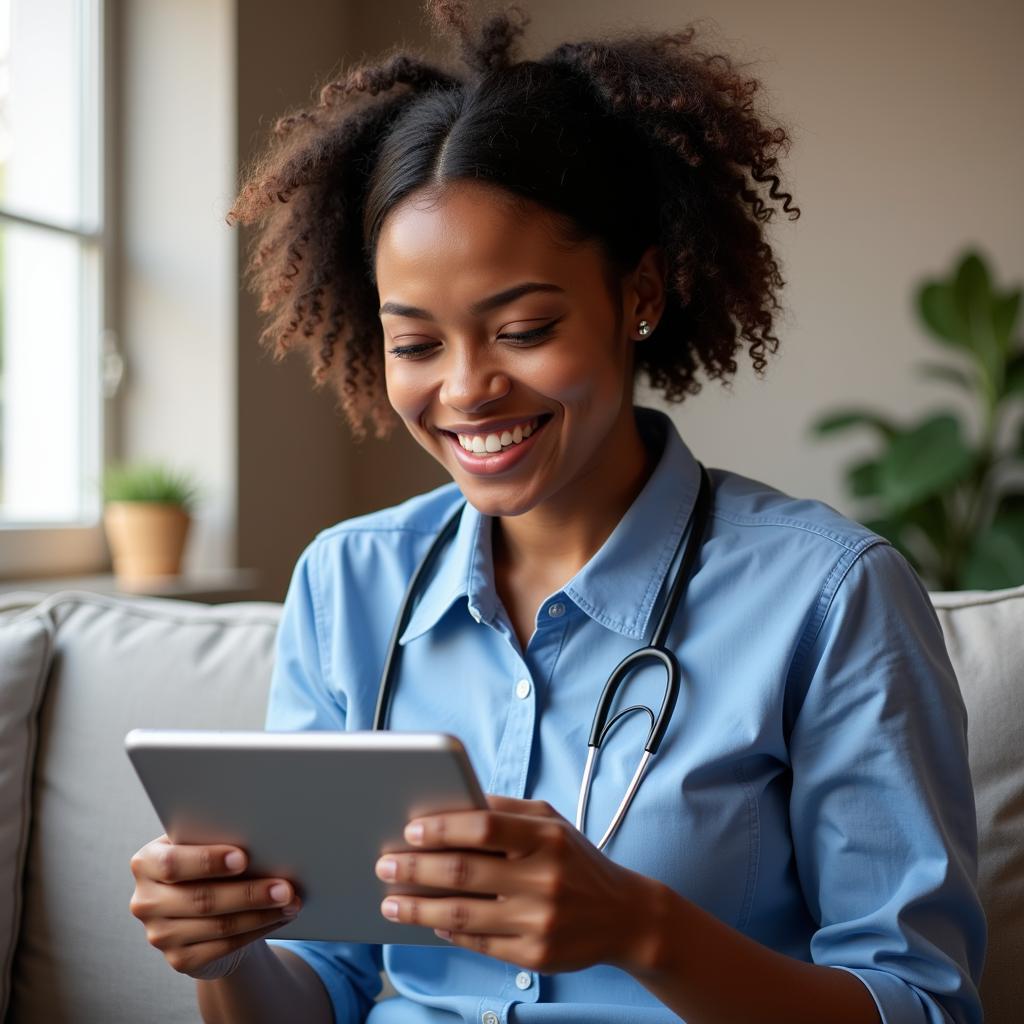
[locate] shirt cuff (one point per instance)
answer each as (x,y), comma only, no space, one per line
(897,1002)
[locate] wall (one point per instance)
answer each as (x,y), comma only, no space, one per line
(177,273)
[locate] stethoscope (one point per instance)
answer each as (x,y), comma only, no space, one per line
(654,653)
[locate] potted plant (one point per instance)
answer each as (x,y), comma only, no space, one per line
(147,513)
(952,504)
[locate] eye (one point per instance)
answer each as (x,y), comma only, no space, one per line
(412,351)
(525,337)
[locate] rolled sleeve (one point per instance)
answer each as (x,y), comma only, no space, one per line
(882,805)
(300,698)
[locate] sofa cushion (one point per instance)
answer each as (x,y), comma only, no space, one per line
(984,632)
(26,647)
(119,663)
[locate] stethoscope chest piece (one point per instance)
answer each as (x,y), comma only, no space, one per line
(645,655)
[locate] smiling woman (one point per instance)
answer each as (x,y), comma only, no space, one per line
(492,257)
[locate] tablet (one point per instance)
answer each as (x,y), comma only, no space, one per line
(317,808)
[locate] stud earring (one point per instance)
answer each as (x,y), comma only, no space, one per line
(644,328)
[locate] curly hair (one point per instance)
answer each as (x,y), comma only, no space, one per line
(632,142)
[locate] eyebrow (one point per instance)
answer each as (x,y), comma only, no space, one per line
(483,306)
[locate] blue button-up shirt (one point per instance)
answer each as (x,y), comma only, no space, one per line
(812,790)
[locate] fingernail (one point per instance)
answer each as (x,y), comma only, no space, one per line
(279,892)
(387,869)
(444,933)
(390,909)
(234,861)
(290,911)
(414,832)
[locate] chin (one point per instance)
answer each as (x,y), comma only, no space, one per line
(492,501)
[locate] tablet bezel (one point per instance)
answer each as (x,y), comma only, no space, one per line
(384,778)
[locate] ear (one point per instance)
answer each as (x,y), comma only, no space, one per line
(646,292)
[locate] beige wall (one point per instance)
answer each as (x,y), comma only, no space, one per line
(908,122)
(177,273)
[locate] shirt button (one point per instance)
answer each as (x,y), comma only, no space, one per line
(556,609)
(490,1018)
(523,980)
(523,689)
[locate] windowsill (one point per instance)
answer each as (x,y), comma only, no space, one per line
(211,586)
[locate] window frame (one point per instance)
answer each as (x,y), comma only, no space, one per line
(62,549)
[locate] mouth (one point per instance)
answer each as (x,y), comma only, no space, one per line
(492,442)
(494,451)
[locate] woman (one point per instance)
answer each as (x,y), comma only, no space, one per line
(494,260)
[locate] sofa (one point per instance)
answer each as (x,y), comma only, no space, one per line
(78,670)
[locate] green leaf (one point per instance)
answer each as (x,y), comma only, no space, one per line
(862,479)
(1011,503)
(1004,316)
(1015,375)
(950,374)
(972,288)
(938,309)
(996,557)
(924,461)
(976,303)
(930,518)
(842,420)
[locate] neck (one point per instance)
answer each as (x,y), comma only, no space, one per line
(558,537)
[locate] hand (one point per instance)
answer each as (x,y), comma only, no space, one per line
(558,903)
(204,927)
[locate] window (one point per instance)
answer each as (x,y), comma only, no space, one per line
(53,242)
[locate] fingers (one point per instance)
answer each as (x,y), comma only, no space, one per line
(163,861)
(511,805)
(170,934)
(461,870)
(497,831)
(455,914)
(209,899)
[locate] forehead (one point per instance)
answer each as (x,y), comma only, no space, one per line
(470,238)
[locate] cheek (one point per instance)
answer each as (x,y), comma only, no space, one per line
(585,373)
(405,392)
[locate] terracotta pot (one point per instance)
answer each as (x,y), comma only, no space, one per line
(146,538)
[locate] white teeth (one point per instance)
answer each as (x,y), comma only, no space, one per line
(488,444)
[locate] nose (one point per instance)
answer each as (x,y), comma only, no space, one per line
(472,379)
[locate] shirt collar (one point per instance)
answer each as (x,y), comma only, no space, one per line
(465,568)
(620,585)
